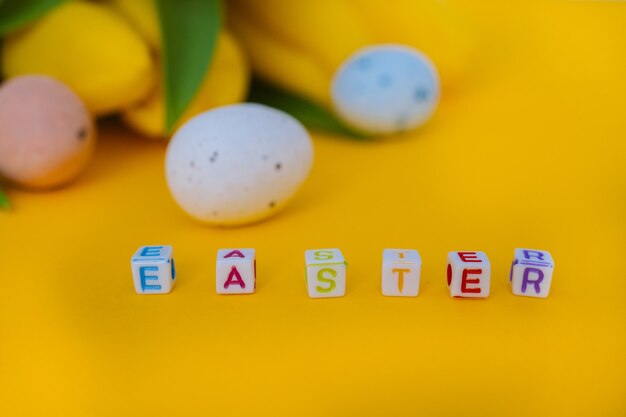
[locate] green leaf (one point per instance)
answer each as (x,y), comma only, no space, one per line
(189,29)
(15,14)
(309,113)
(5,204)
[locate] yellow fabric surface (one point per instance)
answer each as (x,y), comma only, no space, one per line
(531,153)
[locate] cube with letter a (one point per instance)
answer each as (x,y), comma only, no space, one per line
(468,274)
(401,272)
(325,273)
(235,271)
(153,269)
(531,273)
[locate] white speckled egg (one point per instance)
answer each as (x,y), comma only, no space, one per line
(237,164)
(385,89)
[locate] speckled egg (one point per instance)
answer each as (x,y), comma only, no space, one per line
(46,134)
(385,89)
(237,164)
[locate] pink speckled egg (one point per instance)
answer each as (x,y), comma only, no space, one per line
(46,134)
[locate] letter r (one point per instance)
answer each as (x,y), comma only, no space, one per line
(526,279)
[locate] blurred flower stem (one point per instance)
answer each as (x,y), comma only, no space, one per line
(309,113)
(5,204)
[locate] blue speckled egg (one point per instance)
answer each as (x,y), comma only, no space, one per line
(385,89)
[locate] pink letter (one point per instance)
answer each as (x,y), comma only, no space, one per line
(234,278)
(236,253)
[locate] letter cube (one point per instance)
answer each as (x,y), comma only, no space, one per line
(325,273)
(235,271)
(153,269)
(531,273)
(468,274)
(401,272)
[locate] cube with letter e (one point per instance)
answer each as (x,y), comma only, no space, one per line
(531,273)
(468,274)
(153,269)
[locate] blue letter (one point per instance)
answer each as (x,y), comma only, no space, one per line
(143,277)
(151,251)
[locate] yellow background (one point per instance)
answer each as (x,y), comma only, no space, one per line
(530,153)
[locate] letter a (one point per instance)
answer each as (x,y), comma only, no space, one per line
(234,278)
(235,253)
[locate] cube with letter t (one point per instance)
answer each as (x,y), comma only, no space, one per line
(153,270)
(531,273)
(401,272)
(468,274)
(325,273)
(235,272)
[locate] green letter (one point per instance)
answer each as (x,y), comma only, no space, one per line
(330,281)
(323,255)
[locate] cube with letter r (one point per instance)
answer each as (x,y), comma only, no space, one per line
(153,269)
(531,273)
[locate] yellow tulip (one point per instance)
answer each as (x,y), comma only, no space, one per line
(226,82)
(88,47)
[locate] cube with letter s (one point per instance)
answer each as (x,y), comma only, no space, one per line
(325,273)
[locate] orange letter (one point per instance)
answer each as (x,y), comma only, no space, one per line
(400,277)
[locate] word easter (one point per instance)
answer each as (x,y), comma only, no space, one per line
(468,273)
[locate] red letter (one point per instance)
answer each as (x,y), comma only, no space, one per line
(234,278)
(468,257)
(465,280)
(234,253)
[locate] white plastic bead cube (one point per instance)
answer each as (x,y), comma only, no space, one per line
(401,272)
(153,269)
(235,271)
(469,274)
(325,273)
(531,273)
